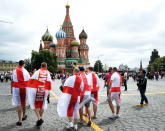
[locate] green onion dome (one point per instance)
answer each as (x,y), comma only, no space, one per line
(74,43)
(47,36)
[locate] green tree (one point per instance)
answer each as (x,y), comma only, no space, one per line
(157,65)
(98,66)
(44,56)
(28,64)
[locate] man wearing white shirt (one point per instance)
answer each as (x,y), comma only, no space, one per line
(114,92)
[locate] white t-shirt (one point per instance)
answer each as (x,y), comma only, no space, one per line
(116,79)
(125,75)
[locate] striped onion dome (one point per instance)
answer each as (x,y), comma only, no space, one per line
(47,36)
(60,34)
(74,43)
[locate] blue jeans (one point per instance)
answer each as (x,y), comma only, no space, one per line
(143,96)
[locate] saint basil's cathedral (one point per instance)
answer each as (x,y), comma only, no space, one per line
(68,50)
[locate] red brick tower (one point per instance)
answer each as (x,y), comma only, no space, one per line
(61,49)
(68,29)
(83,48)
(67,26)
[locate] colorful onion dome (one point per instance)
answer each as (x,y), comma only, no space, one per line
(60,34)
(52,45)
(83,35)
(74,43)
(47,36)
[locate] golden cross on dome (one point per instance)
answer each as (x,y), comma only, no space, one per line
(67,4)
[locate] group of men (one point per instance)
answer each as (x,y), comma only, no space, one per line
(79,90)
(35,88)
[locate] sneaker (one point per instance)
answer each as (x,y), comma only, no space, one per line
(24,118)
(39,122)
(146,104)
(70,125)
(75,127)
(117,116)
(141,105)
(19,123)
(112,117)
(89,123)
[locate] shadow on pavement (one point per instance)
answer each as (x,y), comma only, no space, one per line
(8,127)
(138,108)
(32,129)
(6,110)
(106,121)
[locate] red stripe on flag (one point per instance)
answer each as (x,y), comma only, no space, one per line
(75,92)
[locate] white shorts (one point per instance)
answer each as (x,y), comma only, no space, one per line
(31,93)
(115,96)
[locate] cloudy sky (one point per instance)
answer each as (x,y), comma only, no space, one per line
(119,31)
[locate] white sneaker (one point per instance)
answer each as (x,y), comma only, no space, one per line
(70,125)
(75,127)
(117,116)
(112,117)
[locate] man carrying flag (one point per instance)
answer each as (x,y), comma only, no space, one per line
(85,95)
(115,92)
(38,91)
(20,78)
(94,88)
(68,104)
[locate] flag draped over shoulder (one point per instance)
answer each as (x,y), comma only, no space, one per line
(38,90)
(94,81)
(68,104)
(20,78)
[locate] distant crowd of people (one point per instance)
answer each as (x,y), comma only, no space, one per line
(5,77)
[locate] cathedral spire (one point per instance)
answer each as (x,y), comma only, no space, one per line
(67,25)
(67,21)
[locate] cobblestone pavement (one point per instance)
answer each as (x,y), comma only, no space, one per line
(132,118)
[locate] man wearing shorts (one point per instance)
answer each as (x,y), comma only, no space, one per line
(108,78)
(94,88)
(85,96)
(19,83)
(115,92)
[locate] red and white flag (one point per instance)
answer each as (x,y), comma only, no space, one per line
(38,90)
(68,104)
(20,78)
(94,81)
